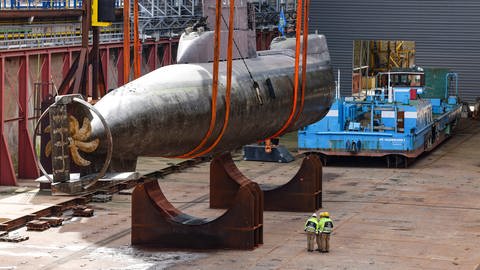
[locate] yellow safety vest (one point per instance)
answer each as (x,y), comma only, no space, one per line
(311,225)
(325,225)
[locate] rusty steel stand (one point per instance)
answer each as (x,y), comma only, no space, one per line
(303,193)
(156,222)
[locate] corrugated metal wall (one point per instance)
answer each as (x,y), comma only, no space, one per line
(446,32)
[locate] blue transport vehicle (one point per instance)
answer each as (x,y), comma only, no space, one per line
(408,112)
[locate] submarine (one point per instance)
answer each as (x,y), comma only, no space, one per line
(168,112)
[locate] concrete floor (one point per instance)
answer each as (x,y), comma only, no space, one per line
(423,217)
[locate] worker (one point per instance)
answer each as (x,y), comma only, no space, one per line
(311,227)
(325,228)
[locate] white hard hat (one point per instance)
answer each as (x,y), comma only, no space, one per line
(314,215)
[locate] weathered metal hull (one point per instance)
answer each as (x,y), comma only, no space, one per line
(167,112)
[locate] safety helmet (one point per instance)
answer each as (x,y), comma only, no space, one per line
(314,215)
(324,214)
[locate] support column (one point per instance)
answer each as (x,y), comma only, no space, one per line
(27,167)
(120,71)
(95,63)
(152,58)
(167,54)
(259,40)
(67,60)
(105,57)
(83,73)
(46,75)
(7,173)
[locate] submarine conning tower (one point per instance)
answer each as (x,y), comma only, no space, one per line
(197,42)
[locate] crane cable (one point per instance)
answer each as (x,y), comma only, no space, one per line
(216,60)
(296,75)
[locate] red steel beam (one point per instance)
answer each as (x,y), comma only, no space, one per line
(152,57)
(105,57)
(46,75)
(96,84)
(67,62)
(167,54)
(120,71)
(259,40)
(79,74)
(27,166)
(7,173)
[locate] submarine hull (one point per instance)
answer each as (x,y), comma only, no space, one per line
(167,111)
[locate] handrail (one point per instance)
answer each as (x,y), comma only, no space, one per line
(45,4)
(27,37)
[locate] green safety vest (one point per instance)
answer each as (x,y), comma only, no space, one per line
(311,225)
(325,225)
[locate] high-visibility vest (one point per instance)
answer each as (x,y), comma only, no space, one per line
(311,225)
(325,225)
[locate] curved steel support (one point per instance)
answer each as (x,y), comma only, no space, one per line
(156,222)
(303,193)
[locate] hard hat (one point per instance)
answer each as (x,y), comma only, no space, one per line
(324,214)
(314,215)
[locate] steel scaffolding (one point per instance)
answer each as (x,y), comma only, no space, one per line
(162,18)
(267,12)
(157,19)
(51,35)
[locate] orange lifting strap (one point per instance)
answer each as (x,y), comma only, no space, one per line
(216,60)
(126,41)
(294,114)
(297,62)
(137,50)
(229,79)
(304,57)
